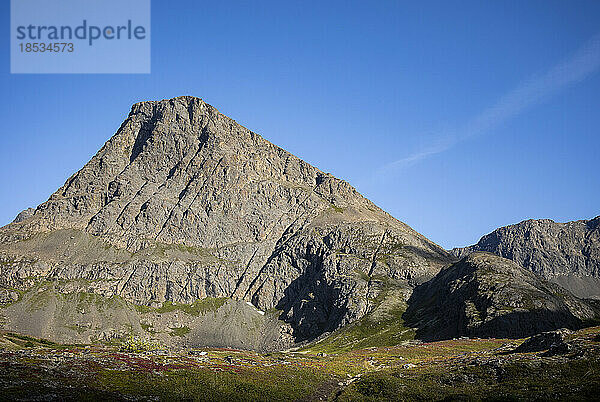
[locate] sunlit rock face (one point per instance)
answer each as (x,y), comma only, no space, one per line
(183,203)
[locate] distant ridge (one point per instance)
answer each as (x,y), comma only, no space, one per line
(565,253)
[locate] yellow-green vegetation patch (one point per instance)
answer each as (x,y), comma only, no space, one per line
(136,344)
(179,331)
(27,341)
(197,308)
(101,302)
(367,332)
(337,209)
(147,327)
(7,261)
(43,294)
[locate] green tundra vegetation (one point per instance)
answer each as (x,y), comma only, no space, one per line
(463,369)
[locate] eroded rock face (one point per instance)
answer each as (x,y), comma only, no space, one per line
(183,203)
(485,295)
(565,253)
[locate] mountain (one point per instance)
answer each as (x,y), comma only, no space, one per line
(564,253)
(485,295)
(186,226)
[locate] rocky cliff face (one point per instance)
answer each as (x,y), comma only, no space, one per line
(565,253)
(484,295)
(183,203)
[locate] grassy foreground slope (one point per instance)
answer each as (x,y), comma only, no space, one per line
(464,369)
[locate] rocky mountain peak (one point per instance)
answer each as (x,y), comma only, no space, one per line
(188,204)
(192,223)
(171,165)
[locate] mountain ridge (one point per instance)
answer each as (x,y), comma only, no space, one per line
(565,253)
(187,204)
(190,229)
(484,295)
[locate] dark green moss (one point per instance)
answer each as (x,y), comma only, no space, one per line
(278,384)
(197,308)
(552,380)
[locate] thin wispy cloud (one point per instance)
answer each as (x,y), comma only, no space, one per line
(584,62)
(435,148)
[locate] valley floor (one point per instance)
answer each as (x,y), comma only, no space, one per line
(464,369)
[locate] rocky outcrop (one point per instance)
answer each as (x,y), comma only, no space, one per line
(565,253)
(183,203)
(485,295)
(23,215)
(552,341)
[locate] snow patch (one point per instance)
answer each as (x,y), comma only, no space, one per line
(257,310)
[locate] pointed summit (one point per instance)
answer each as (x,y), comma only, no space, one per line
(194,205)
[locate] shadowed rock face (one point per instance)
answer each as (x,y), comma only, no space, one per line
(565,253)
(183,203)
(484,295)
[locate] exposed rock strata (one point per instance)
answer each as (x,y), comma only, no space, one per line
(183,203)
(565,253)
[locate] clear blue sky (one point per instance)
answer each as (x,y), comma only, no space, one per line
(456,117)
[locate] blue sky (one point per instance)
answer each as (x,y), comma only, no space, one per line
(456,118)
